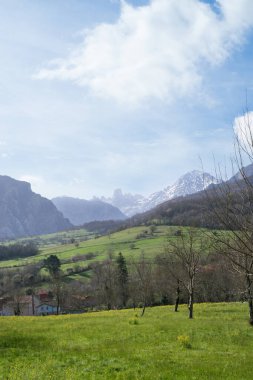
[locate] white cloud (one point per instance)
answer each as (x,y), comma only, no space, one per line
(243,128)
(155,51)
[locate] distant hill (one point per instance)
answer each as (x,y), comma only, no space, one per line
(190,183)
(248,171)
(24,213)
(80,211)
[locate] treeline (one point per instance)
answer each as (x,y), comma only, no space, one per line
(162,280)
(18,250)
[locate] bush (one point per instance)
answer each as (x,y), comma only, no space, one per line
(184,341)
(134,320)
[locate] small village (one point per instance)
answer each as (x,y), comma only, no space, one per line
(42,303)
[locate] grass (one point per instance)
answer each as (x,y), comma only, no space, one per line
(125,241)
(119,345)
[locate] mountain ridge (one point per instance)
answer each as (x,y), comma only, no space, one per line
(80,211)
(189,183)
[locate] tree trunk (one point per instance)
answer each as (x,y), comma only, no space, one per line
(250,298)
(143,309)
(177,297)
(33,308)
(58,305)
(190,305)
(191,298)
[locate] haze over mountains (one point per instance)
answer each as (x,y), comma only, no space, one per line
(24,213)
(190,183)
(80,211)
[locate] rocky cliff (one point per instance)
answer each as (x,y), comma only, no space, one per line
(24,213)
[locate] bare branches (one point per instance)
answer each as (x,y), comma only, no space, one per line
(186,250)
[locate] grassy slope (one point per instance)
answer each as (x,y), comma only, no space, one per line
(120,241)
(105,345)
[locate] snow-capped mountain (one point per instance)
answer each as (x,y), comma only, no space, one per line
(189,183)
(129,204)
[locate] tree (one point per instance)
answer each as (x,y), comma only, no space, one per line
(104,282)
(52,264)
(58,291)
(144,274)
(231,205)
(167,278)
(152,229)
(186,251)
(122,279)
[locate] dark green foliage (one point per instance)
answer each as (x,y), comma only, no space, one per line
(52,264)
(15,251)
(122,278)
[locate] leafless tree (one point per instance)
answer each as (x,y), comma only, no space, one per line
(231,205)
(143,272)
(185,251)
(103,282)
(168,274)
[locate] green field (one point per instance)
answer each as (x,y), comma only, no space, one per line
(117,345)
(131,242)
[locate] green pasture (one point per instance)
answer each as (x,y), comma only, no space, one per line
(131,242)
(125,241)
(217,344)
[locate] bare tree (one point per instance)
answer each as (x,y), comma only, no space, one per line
(231,205)
(186,251)
(104,282)
(168,276)
(144,273)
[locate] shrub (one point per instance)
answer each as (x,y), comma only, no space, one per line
(184,341)
(134,320)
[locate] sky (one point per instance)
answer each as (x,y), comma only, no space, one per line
(105,94)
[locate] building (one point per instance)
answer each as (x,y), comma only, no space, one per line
(41,304)
(47,308)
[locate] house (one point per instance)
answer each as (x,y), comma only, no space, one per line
(47,308)
(29,305)
(4,310)
(18,305)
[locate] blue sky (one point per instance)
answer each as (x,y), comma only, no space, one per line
(97,95)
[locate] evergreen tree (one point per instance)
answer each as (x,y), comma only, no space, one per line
(122,279)
(52,264)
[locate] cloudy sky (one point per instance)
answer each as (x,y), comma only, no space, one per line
(104,94)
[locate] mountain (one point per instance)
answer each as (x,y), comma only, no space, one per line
(190,183)
(24,213)
(129,204)
(80,211)
(247,170)
(195,209)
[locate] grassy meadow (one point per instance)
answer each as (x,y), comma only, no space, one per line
(131,242)
(217,344)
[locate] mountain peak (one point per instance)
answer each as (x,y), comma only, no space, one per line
(189,183)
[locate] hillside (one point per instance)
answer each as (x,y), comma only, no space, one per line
(80,211)
(119,345)
(25,213)
(191,210)
(130,242)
